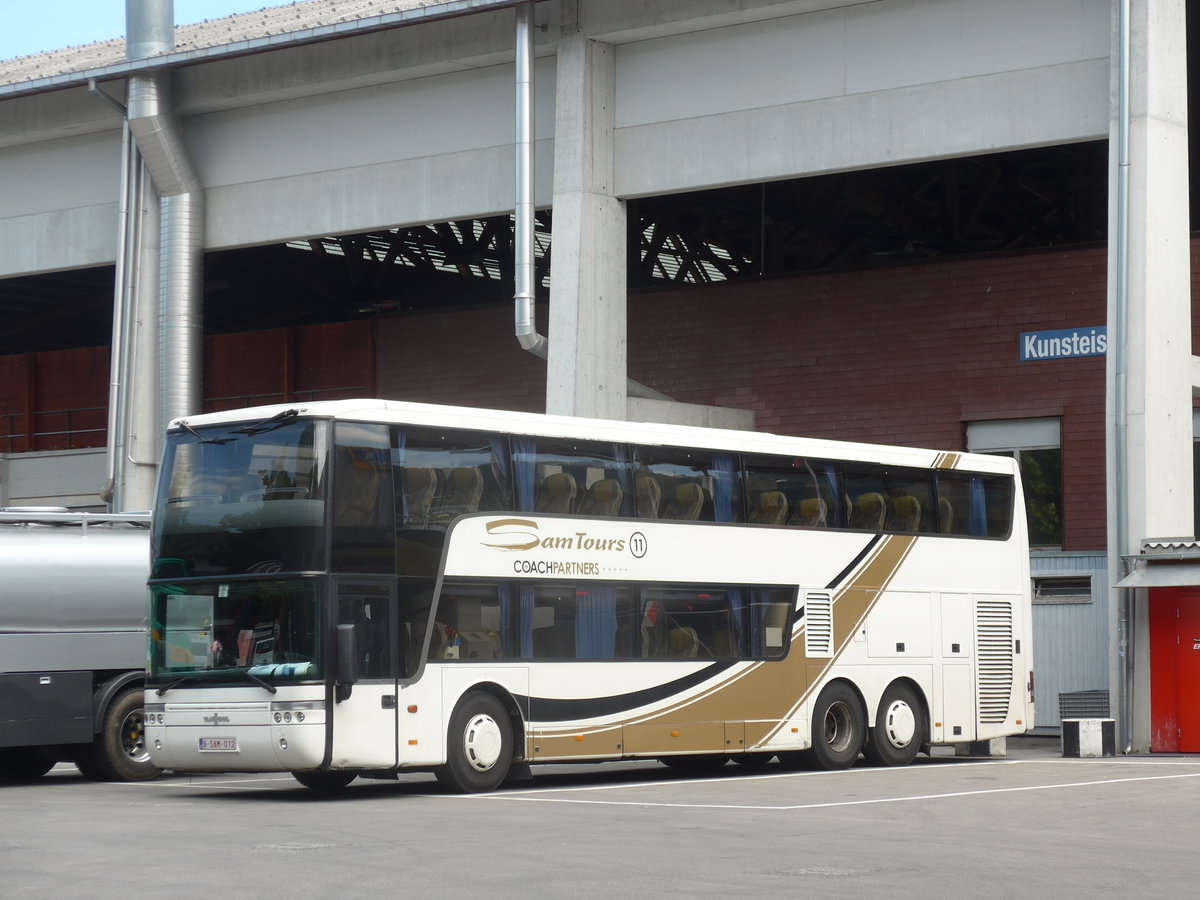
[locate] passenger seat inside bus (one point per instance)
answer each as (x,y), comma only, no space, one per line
(557,494)
(869,512)
(420,484)
(687,502)
(905,514)
(603,498)
(772,509)
(683,642)
(649,496)
(945,516)
(811,512)
(464,487)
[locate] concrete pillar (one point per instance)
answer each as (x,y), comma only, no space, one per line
(586,369)
(1149,365)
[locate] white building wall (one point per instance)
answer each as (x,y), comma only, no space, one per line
(416,124)
(874,84)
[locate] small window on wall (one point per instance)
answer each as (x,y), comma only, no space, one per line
(1037,447)
(1062,589)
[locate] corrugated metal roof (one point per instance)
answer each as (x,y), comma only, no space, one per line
(272,20)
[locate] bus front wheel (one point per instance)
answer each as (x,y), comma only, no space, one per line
(479,745)
(899,728)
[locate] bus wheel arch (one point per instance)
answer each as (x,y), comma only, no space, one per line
(901,725)
(481,741)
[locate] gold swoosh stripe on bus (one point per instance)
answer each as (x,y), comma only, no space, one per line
(765,690)
(949,460)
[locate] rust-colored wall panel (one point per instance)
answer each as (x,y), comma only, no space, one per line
(334,361)
(245,369)
(467,358)
(12,403)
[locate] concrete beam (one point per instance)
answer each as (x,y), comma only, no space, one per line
(672,413)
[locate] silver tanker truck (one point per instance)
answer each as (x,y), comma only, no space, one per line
(73,643)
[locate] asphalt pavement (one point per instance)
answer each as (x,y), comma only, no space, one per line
(1031,823)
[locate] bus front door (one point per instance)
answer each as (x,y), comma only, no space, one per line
(364,723)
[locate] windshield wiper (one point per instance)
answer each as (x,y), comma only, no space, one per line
(176,683)
(262,682)
(201,438)
(276,421)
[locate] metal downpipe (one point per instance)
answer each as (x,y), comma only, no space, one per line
(523,214)
(1119,533)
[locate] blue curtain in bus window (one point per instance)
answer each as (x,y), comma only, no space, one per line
(977,520)
(516,620)
(723,486)
(595,622)
(524,463)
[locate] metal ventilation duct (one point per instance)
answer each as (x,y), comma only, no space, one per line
(150,30)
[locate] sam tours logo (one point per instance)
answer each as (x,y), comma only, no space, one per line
(1064,343)
(524,534)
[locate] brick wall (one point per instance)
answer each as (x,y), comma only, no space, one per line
(903,355)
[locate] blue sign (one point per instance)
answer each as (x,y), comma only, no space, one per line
(1064,343)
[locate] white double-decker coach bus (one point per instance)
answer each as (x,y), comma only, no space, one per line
(360,588)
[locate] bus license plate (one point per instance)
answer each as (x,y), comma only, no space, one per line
(225,744)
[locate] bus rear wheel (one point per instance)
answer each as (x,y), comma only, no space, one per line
(479,745)
(899,728)
(838,728)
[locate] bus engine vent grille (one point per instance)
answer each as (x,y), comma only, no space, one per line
(818,624)
(994,657)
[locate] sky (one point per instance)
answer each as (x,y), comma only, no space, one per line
(34,26)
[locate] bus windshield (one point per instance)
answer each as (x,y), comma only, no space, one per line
(262,483)
(263,630)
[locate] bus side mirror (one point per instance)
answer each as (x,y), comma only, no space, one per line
(347,660)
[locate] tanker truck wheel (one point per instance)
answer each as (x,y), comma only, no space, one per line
(119,751)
